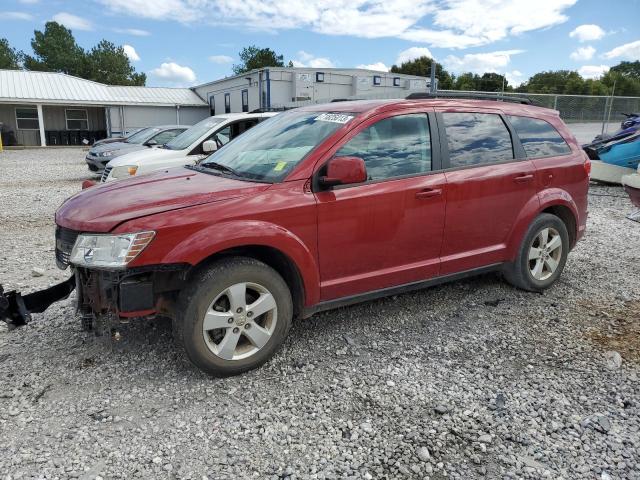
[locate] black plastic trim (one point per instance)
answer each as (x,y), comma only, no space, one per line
(385,292)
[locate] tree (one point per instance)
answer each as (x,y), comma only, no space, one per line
(10,58)
(558,81)
(493,82)
(253,57)
(628,69)
(56,51)
(107,63)
(422,67)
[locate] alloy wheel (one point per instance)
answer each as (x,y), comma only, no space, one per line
(545,253)
(240,321)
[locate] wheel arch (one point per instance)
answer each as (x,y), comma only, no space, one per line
(272,244)
(270,256)
(558,202)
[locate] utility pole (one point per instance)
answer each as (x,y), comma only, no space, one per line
(432,87)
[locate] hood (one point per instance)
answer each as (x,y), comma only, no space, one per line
(103,207)
(119,145)
(146,154)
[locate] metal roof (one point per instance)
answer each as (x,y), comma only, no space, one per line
(19,86)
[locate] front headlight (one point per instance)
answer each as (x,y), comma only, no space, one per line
(124,171)
(109,251)
(108,153)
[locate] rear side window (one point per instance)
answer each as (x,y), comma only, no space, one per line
(539,138)
(393,147)
(476,139)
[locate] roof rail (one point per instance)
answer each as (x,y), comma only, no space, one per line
(470,96)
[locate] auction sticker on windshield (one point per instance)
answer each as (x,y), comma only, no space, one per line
(334,117)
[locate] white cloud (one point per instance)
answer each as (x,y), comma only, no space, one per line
(480,62)
(455,23)
(72,21)
(174,73)
(413,53)
(586,33)
(583,53)
(514,77)
(593,71)
(309,60)
(378,66)
(130,52)
(220,59)
(16,16)
(630,51)
(133,31)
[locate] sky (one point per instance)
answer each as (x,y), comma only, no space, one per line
(189,42)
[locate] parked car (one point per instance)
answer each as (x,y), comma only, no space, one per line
(187,148)
(325,206)
(115,139)
(145,139)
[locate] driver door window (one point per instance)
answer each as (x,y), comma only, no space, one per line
(394,147)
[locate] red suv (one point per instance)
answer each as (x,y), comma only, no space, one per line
(325,206)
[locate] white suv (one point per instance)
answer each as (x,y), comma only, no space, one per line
(187,148)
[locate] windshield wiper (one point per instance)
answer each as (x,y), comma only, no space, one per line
(222,168)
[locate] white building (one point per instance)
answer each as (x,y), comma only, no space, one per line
(276,87)
(45,108)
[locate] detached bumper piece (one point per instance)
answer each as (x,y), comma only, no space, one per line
(16,309)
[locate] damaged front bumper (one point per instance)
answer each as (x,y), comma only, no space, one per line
(16,309)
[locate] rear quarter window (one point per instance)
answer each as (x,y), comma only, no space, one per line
(538,137)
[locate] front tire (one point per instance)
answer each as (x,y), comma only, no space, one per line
(234,315)
(542,255)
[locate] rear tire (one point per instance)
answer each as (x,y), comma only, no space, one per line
(541,256)
(233,316)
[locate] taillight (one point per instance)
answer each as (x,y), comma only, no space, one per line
(587,166)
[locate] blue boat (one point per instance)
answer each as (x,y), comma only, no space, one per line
(613,158)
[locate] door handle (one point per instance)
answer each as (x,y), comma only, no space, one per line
(523,178)
(429,192)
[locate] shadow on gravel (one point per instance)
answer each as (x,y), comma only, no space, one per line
(621,331)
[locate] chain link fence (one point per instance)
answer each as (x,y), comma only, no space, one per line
(586,115)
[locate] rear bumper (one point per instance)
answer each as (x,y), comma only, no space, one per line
(129,293)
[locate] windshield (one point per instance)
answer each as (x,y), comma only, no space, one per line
(142,136)
(270,150)
(186,138)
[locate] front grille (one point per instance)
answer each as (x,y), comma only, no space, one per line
(105,174)
(65,240)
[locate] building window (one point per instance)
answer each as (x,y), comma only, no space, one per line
(77,119)
(227,103)
(27,118)
(245,100)
(319,76)
(212,105)
(396,81)
(377,80)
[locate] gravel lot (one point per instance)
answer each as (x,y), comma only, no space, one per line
(469,380)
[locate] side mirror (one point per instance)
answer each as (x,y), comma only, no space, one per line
(151,143)
(209,146)
(344,171)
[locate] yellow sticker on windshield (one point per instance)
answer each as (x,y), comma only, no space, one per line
(280,166)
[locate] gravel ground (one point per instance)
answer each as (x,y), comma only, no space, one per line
(468,380)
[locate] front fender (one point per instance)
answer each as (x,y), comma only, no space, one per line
(216,238)
(550,197)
